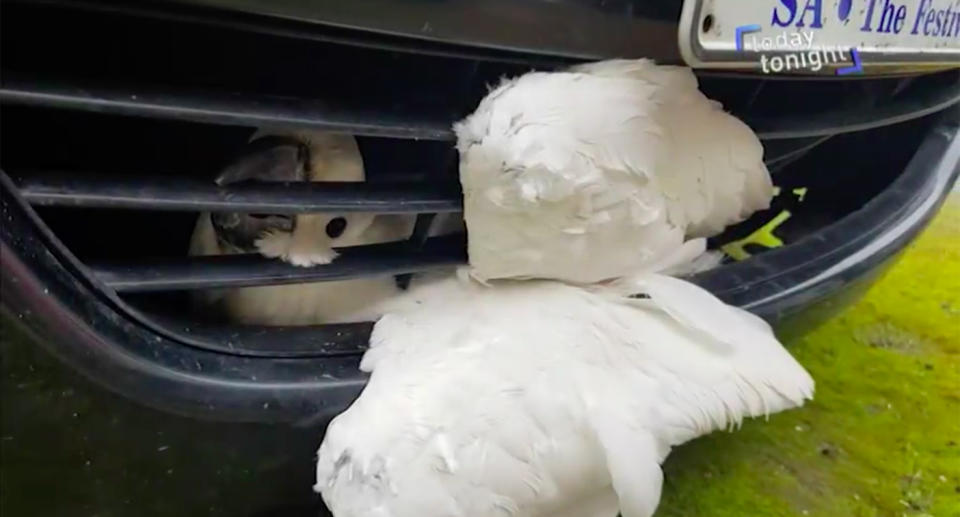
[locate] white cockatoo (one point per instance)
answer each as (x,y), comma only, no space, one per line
(552,377)
(303,239)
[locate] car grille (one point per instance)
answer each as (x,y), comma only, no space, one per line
(112,109)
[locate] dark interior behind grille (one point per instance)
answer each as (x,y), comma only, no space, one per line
(132,84)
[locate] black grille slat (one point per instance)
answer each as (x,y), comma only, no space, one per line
(182,273)
(179,194)
(329,340)
(780,153)
(930,97)
(290,112)
(227,109)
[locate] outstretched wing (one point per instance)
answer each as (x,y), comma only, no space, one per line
(529,395)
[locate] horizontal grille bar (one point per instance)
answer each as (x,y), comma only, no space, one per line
(133,191)
(929,98)
(328,340)
(63,189)
(184,273)
(227,109)
(777,154)
(286,112)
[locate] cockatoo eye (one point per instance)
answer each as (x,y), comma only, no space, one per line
(336,227)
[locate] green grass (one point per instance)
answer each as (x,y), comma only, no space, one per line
(881,438)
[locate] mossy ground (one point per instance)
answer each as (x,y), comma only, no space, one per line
(881,438)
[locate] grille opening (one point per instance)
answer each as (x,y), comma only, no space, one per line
(141,92)
(841,174)
(116,148)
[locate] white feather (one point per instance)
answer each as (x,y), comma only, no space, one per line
(531,398)
(540,398)
(599,171)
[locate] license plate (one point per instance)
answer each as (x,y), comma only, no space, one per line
(820,36)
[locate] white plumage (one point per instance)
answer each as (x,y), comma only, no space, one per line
(561,397)
(599,171)
(538,398)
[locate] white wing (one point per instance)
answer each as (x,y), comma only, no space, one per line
(532,396)
(714,173)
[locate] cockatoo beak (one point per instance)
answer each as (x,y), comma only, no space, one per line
(269,159)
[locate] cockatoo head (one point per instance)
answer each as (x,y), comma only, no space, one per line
(295,156)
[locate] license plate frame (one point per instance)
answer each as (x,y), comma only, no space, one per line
(708,32)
